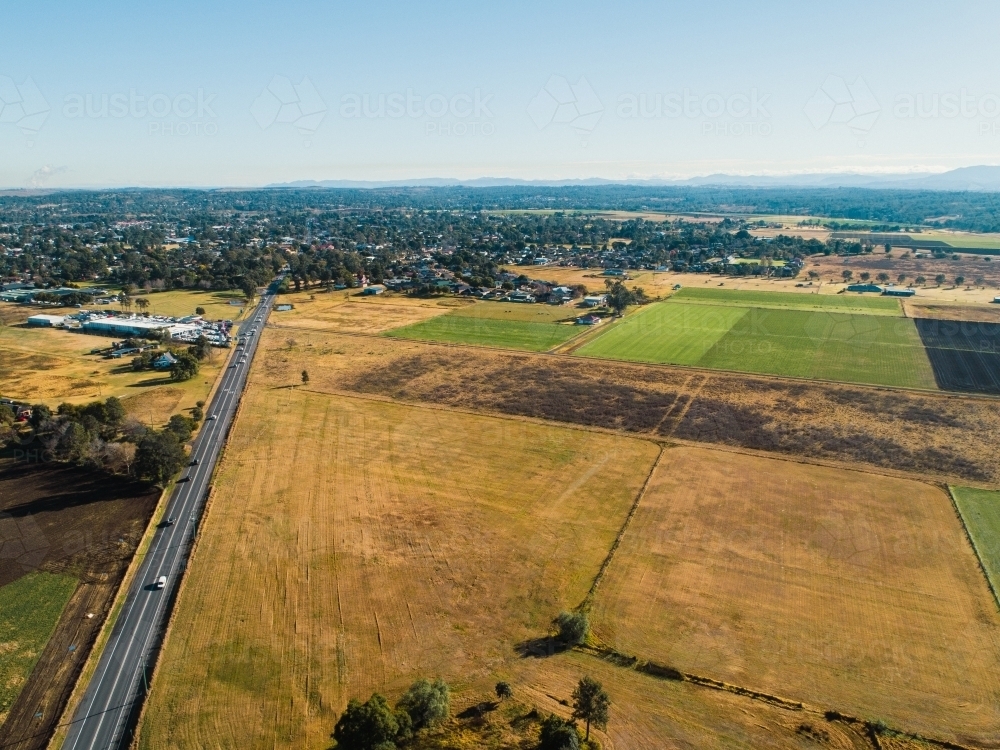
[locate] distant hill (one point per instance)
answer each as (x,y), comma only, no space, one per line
(979,178)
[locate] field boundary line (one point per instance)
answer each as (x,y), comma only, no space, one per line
(936,392)
(883,471)
(972,543)
(609,558)
(662,672)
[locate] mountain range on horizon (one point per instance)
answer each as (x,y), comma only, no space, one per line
(982,178)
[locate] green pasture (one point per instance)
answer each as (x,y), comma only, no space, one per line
(511,326)
(847,302)
(824,344)
(30,608)
(980,511)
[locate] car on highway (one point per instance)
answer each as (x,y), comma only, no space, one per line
(160,582)
(210,417)
(194,462)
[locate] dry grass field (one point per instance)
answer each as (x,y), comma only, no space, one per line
(649,713)
(942,436)
(354,545)
(181,302)
(46,365)
(348,312)
(845,590)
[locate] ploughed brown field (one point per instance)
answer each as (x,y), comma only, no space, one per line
(62,519)
(841,589)
(931,434)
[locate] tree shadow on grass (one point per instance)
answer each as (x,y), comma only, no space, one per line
(154,382)
(540,648)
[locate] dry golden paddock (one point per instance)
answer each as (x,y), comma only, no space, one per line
(425,510)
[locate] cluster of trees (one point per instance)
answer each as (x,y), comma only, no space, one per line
(621,297)
(101,436)
(374,725)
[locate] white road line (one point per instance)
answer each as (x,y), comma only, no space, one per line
(163,554)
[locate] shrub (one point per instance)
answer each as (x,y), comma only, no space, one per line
(573,627)
(558,734)
(427,703)
(371,725)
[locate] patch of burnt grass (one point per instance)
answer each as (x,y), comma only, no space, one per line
(744,411)
(712,420)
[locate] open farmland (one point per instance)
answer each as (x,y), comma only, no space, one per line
(926,432)
(353,545)
(847,347)
(854,303)
(674,333)
(841,589)
(980,511)
(514,326)
(965,355)
(30,608)
(67,536)
(650,713)
(350,312)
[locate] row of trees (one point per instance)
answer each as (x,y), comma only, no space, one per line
(884,278)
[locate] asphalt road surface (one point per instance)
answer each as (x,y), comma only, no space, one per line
(107,714)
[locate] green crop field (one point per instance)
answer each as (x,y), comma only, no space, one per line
(511,326)
(875,349)
(980,511)
(30,607)
(667,333)
(846,302)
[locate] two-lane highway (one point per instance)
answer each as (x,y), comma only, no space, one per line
(117,688)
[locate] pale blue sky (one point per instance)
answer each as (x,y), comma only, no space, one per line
(838,86)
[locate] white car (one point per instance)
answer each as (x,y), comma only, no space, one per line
(161,582)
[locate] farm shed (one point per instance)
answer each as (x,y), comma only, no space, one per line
(864,288)
(46,321)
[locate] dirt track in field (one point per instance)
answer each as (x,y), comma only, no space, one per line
(841,589)
(63,519)
(937,435)
(353,546)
